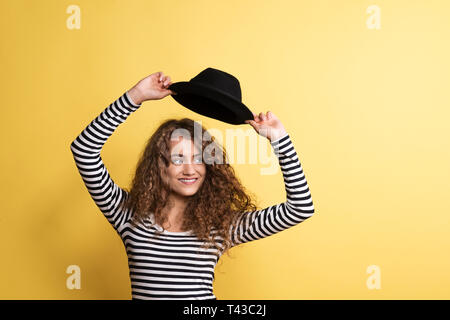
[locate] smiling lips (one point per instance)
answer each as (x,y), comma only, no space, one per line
(188,181)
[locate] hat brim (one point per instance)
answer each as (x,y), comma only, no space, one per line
(210,102)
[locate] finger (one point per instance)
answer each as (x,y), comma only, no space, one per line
(167,81)
(269,115)
(161,76)
(157,76)
(252,123)
(262,116)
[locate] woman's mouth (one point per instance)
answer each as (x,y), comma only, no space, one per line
(188,181)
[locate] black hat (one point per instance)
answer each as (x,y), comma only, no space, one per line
(215,94)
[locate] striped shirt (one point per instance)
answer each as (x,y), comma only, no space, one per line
(172,265)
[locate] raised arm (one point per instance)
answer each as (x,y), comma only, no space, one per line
(86,150)
(87,146)
(297,208)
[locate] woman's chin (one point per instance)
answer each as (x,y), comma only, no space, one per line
(186,193)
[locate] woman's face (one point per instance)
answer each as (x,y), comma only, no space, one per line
(186,171)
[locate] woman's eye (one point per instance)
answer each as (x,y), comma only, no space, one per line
(180,161)
(177,161)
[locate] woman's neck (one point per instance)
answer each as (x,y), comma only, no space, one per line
(175,211)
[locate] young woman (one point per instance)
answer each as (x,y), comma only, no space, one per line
(182,213)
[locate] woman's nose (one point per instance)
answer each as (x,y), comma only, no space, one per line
(188,168)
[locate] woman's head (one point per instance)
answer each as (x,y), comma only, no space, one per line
(183,149)
(186,171)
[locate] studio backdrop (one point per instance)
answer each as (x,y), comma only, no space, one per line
(360,86)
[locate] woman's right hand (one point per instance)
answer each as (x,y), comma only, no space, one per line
(152,87)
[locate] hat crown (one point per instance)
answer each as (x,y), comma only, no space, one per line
(213,93)
(219,80)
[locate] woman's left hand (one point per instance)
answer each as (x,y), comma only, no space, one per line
(267,125)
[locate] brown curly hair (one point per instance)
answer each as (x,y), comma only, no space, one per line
(216,205)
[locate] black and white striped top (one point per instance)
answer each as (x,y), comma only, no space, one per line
(172,265)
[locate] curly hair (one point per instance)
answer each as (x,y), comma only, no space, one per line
(217,204)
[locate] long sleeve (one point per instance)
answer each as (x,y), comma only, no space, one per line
(273,219)
(86,151)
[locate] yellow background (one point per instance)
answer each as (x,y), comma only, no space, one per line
(367,110)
